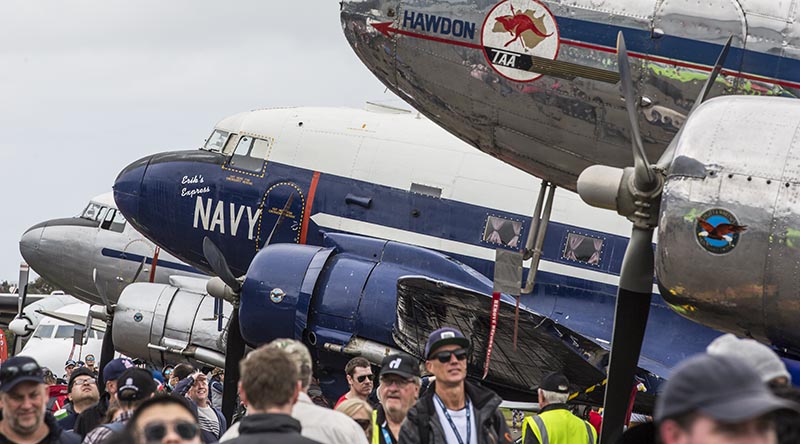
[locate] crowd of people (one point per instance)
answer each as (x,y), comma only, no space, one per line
(737,392)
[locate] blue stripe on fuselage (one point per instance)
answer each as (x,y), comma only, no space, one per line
(116,254)
(681,49)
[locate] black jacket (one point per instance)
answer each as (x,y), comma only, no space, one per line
(422,423)
(92,417)
(266,428)
(56,436)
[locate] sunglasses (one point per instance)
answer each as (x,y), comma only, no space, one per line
(445,356)
(28,369)
(363,378)
(364,423)
(157,431)
(87,381)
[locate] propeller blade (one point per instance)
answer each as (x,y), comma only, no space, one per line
(139,270)
(234,352)
(216,260)
(630,319)
(666,158)
(280,219)
(645,179)
(714,73)
(106,352)
(101,290)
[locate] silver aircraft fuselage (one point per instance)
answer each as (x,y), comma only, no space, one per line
(534,82)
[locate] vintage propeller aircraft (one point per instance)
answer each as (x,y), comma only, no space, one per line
(537,84)
(361,231)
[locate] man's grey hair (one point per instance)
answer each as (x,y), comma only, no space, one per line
(554,397)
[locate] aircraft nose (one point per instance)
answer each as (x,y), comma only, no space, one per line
(128,187)
(29,243)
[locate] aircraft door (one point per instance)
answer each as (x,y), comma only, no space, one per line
(695,33)
(272,205)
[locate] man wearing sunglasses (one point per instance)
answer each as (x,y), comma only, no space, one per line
(23,398)
(359,376)
(82,392)
(452,410)
(397,392)
(90,362)
(164,419)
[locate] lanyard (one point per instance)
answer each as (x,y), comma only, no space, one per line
(450,420)
(387,438)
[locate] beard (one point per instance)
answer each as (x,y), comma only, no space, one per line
(396,413)
(24,429)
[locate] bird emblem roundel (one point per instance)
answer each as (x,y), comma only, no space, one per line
(718,231)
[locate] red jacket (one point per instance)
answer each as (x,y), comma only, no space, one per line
(58,397)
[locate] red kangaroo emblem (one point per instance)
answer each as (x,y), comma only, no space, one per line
(517,23)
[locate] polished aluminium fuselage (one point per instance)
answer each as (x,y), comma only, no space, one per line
(556,126)
(67,252)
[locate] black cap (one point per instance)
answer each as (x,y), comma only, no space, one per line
(724,388)
(82,371)
(444,336)
(135,384)
(400,364)
(19,369)
(555,382)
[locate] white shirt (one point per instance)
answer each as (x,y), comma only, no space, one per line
(459,418)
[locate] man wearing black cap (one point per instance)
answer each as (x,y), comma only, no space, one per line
(134,387)
(555,424)
(95,415)
(82,392)
(717,399)
(453,411)
(23,395)
(397,392)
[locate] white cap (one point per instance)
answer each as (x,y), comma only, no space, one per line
(761,358)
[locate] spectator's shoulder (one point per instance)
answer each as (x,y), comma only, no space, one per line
(69,437)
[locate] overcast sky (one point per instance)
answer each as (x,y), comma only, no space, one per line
(86,87)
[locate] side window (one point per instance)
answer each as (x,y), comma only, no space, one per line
(44,331)
(91,211)
(65,331)
(260,149)
(583,249)
(250,154)
(243,147)
(101,215)
(502,231)
(118,224)
(217,140)
(108,219)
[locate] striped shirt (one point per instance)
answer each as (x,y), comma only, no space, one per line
(208,420)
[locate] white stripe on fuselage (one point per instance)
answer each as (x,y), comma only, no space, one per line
(448,246)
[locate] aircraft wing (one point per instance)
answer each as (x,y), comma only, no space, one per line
(543,346)
(97,324)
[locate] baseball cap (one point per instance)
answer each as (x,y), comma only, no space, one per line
(444,336)
(19,369)
(70,362)
(115,367)
(299,354)
(400,364)
(724,388)
(135,384)
(763,360)
(555,382)
(83,371)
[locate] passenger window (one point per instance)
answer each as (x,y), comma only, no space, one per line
(118,224)
(217,140)
(44,332)
(582,248)
(65,331)
(501,231)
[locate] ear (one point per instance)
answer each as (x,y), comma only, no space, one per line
(242,395)
(350,379)
(429,366)
(670,432)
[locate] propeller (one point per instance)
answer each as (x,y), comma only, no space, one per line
(634,192)
(22,297)
(107,349)
(234,344)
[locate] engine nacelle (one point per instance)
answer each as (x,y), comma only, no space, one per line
(728,250)
(170,323)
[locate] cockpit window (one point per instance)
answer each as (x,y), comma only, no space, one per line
(217,140)
(118,224)
(92,211)
(44,331)
(250,153)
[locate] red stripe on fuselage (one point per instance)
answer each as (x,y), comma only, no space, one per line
(312,190)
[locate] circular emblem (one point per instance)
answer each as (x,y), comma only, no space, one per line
(276,295)
(138,317)
(518,36)
(717,231)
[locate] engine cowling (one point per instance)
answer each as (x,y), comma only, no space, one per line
(729,233)
(170,323)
